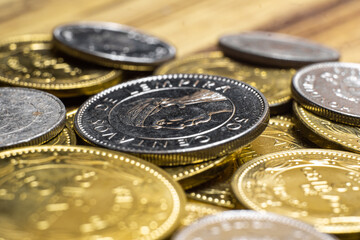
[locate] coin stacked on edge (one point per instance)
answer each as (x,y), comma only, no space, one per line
(205,123)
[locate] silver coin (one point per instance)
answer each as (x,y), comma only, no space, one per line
(112,44)
(29,117)
(174,119)
(275,49)
(247,224)
(331,90)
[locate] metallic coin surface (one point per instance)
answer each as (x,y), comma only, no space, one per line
(331,90)
(70,117)
(65,137)
(274,83)
(317,186)
(59,192)
(195,210)
(113,45)
(193,175)
(275,49)
(326,133)
(29,117)
(174,119)
(29,61)
(249,225)
(279,135)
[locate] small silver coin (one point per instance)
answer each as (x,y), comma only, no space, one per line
(112,44)
(331,90)
(174,119)
(29,117)
(275,49)
(247,224)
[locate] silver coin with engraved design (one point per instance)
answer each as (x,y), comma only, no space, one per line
(331,90)
(29,117)
(113,45)
(250,225)
(174,119)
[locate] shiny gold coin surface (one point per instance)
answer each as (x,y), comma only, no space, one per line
(29,61)
(58,192)
(70,117)
(326,133)
(65,137)
(280,135)
(195,174)
(274,83)
(318,186)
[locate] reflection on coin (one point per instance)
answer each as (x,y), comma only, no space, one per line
(246,224)
(112,45)
(326,133)
(85,193)
(275,49)
(29,117)
(29,61)
(195,210)
(331,90)
(70,117)
(195,174)
(318,186)
(274,83)
(174,119)
(280,135)
(65,137)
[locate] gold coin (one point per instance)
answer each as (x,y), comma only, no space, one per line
(70,117)
(326,133)
(195,174)
(195,210)
(279,135)
(64,192)
(318,186)
(29,61)
(274,83)
(65,137)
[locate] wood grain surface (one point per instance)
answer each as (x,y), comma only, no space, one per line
(192,25)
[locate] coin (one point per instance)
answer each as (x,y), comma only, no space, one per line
(317,186)
(112,45)
(274,83)
(29,61)
(279,135)
(275,49)
(65,137)
(195,210)
(70,117)
(331,90)
(174,119)
(29,117)
(64,192)
(326,133)
(195,174)
(246,224)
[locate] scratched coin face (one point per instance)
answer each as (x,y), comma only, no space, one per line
(85,193)
(314,185)
(247,224)
(112,44)
(174,119)
(275,49)
(30,61)
(29,117)
(331,90)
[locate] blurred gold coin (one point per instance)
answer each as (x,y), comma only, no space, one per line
(30,61)
(318,186)
(63,192)
(274,83)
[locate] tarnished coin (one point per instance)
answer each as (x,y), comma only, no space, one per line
(29,117)
(59,192)
(331,90)
(192,175)
(275,49)
(274,83)
(249,225)
(317,186)
(174,119)
(29,61)
(326,133)
(113,45)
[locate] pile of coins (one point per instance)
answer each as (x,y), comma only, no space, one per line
(263,135)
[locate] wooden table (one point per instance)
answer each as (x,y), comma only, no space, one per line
(193,25)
